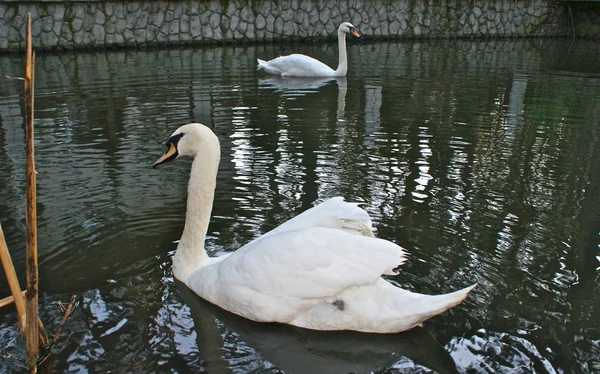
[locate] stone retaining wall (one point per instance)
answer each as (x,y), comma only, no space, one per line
(106,24)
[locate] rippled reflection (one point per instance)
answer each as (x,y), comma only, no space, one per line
(481,158)
(296,350)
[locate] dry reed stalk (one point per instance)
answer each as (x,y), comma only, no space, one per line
(9,300)
(13,281)
(31,334)
(15,289)
(68,311)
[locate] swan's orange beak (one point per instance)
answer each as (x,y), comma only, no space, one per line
(169,155)
(354,33)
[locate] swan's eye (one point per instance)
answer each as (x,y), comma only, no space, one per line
(175,139)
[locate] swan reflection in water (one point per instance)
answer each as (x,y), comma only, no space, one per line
(297,350)
(294,87)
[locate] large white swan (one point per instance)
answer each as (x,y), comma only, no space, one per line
(320,270)
(297,65)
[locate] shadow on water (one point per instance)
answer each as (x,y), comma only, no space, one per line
(296,350)
(298,87)
(291,84)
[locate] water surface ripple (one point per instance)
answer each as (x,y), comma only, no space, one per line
(482,159)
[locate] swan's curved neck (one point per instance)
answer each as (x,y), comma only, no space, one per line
(190,254)
(342,68)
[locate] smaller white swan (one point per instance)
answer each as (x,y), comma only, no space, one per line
(297,65)
(320,270)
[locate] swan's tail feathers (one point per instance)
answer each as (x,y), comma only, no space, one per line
(261,64)
(432,305)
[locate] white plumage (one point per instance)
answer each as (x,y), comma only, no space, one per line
(298,65)
(320,270)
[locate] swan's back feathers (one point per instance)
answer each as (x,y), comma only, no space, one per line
(332,213)
(295,65)
(312,263)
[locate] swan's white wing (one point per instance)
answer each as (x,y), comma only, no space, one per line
(311,263)
(297,65)
(332,213)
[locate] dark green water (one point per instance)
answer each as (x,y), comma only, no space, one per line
(482,159)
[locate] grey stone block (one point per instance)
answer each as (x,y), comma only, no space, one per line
(4,27)
(119,12)
(205,17)
(49,40)
(308,6)
(58,13)
(195,26)
(233,24)
(9,15)
(184,24)
(394,28)
(231,9)
(250,32)
(164,29)
(279,25)
(162,38)
(178,11)
(109,39)
(36,28)
(121,26)
(169,15)
(289,28)
(215,20)
(133,6)
(15,35)
(88,39)
(98,32)
(110,25)
(184,37)
(78,38)
(100,18)
(109,8)
(66,39)
(76,24)
(142,20)
(384,28)
(243,27)
(132,18)
(216,7)
(152,32)
(139,35)
(207,32)
(271,23)
(305,24)
(265,9)
(47,24)
(247,14)
(313,18)
(261,22)
(157,18)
